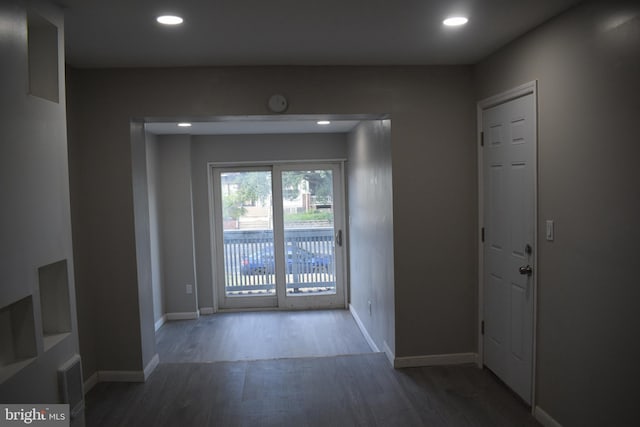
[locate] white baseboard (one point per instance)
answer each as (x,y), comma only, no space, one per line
(545,419)
(435,360)
(90,383)
(206,310)
(182,316)
(121,376)
(153,363)
(388,352)
(364,331)
(161,321)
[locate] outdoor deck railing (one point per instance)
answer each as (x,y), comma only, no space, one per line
(249,264)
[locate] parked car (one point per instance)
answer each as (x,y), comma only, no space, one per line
(298,260)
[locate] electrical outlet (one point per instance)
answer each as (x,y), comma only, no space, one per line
(189,289)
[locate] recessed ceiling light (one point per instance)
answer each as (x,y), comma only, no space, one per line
(169,20)
(184,125)
(324,122)
(455,21)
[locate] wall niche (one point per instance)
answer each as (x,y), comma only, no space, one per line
(43,57)
(17,337)
(53,280)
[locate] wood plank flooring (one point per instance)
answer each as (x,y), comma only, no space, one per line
(340,390)
(260,335)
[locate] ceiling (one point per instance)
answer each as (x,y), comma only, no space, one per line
(124,33)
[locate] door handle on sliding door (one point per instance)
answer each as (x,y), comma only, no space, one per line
(525,270)
(339,238)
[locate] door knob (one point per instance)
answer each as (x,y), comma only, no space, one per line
(525,269)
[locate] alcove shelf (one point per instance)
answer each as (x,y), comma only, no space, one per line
(53,280)
(17,337)
(43,58)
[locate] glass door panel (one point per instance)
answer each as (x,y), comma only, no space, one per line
(308,219)
(248,262)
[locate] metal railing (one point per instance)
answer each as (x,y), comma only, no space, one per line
(249,263)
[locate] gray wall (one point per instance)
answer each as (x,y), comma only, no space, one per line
(435,214)
(35,222)
(587,63)
(371,230)
(143,241)
(155,241)
(104,240)
(434,182)
(244,148)
(176,224)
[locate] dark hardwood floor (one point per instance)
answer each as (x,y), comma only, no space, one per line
(260,335)
(327,390)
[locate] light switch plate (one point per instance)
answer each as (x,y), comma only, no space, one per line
(189,289)
(549,232)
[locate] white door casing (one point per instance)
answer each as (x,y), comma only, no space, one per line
(509,214)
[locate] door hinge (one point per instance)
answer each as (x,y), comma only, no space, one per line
(482,234)
(482,139)
(482,327)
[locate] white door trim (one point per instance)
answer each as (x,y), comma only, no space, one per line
(280,301)
(517,92)
(213,247)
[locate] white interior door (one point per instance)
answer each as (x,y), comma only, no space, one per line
(509,164)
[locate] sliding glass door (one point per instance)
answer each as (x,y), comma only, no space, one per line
(278,236)
(245,255)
